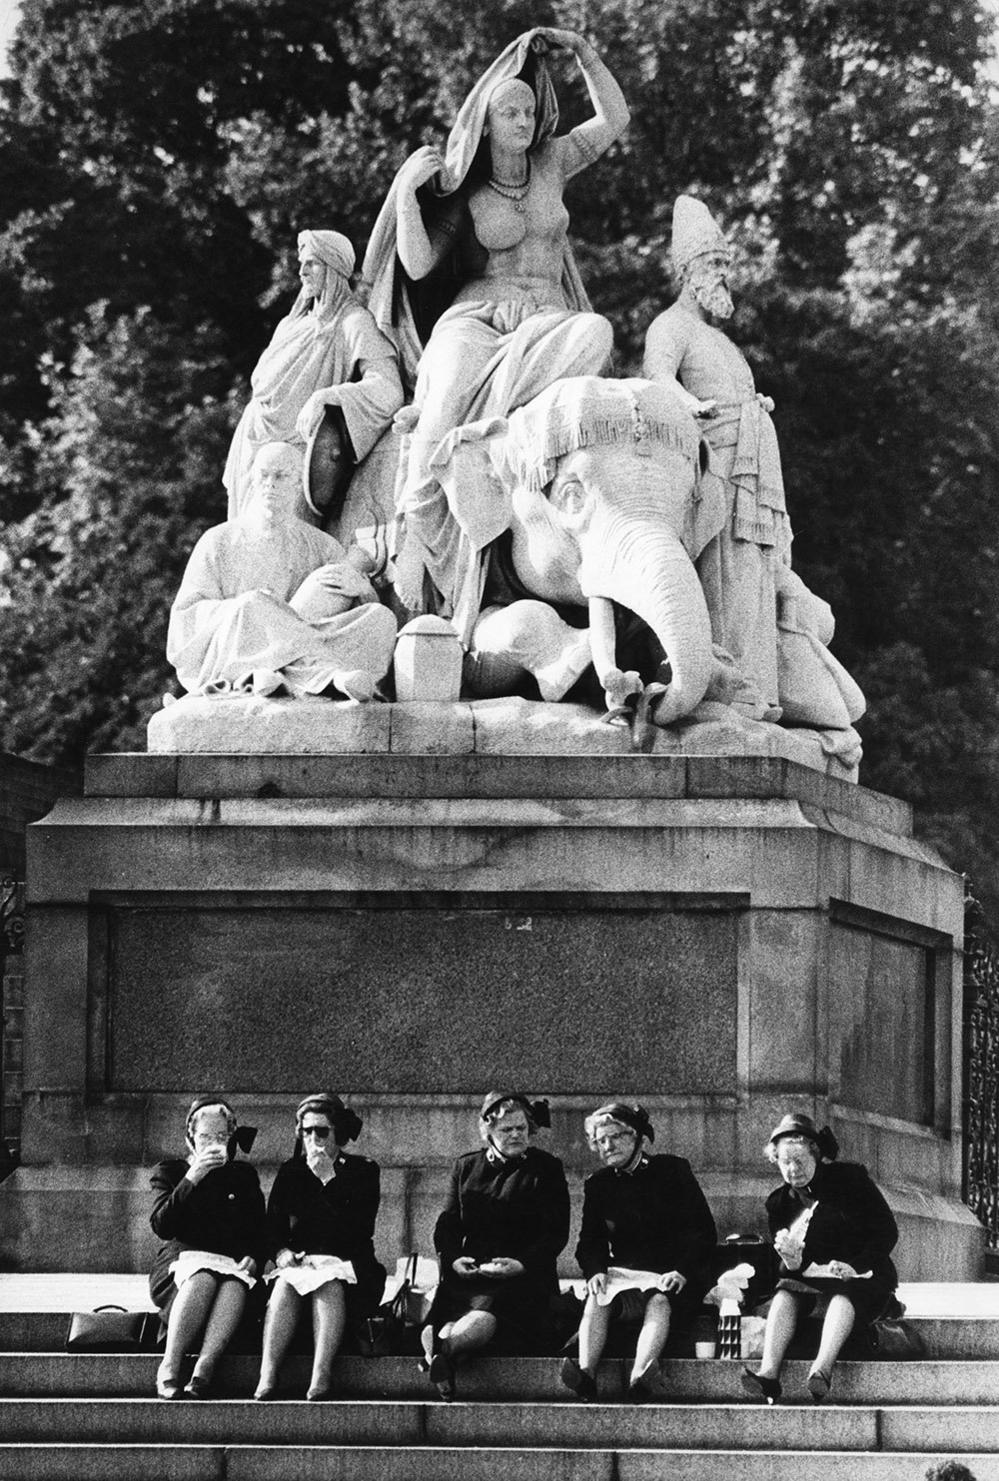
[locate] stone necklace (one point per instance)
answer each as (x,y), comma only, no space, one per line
(515,193)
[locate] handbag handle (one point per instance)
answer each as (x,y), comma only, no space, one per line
(411,1268)
(112,1306)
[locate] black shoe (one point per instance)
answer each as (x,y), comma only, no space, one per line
(319,1393)
(643,1391)
(582,1384)
(767,1389)
(441,1375)
(198,1387)
(265,1393)
(819,1384)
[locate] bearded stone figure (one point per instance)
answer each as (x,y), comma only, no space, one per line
(763,617)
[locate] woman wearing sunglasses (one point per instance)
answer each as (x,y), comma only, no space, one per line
(321,1221)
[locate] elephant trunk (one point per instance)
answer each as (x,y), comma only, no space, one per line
(642,566)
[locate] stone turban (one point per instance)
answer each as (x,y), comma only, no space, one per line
(331,247)
(695,232)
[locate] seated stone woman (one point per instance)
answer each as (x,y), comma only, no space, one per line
(472,245)
(646,1247)
(498,1237)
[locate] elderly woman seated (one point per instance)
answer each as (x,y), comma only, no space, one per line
(505,1221)
(834,1234)
(320,1223)
(209,1213)
(646,1247)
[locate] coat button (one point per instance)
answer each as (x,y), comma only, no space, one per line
(232,1197)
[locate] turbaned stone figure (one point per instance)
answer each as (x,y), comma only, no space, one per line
(762,615)
(271,606)
(327,352)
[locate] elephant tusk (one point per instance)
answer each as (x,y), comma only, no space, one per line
(620,715)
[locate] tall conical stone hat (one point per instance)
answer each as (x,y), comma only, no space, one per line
(695,232)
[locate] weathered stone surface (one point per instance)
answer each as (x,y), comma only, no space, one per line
(417,927)
(240,725)
(254,725)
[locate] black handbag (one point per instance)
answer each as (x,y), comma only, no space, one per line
(893,1338)
(108,1329)
(396,1327)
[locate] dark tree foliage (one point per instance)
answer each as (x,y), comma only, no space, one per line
(157,158)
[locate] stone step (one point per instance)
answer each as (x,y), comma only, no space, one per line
(442,1463)
(132,1375)
(858,1428)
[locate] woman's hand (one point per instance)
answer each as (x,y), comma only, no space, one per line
(597,1284)
(501,1267)
(840,1270)
(672,1281)
(248,1264)
(789,1249)
(206,1161)
(284,1258)
(465,1266)
(420,167)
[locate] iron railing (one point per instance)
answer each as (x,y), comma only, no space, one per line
(981,1070)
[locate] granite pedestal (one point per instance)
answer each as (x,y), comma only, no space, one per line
(723,938)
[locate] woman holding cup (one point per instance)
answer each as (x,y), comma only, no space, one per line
(209,1215)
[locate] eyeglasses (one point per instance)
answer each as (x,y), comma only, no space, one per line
(321,1133)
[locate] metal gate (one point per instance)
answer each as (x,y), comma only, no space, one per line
(981,1072)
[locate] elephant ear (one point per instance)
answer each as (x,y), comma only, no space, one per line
(467,466)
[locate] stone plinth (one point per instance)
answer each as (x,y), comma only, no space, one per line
(249,725)
(724,938)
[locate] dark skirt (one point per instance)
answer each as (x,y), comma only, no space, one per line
(522,1309)
(869,1298)
(629,1306)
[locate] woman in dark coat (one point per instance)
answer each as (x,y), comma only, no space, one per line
(645,1249)
(834,1233)
(498,1238)
(320,1223)
(209,1213)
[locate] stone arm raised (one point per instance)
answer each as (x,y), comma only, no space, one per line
(421,250)
(611,115)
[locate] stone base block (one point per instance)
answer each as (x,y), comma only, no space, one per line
(249,725)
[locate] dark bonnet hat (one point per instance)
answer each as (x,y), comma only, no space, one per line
(537,1111)
(346,1123)
(796,1123)
(242,1137)
(635,1116)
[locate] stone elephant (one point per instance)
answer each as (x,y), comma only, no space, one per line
(566,534)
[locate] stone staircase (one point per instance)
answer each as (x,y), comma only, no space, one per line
(81,1417)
